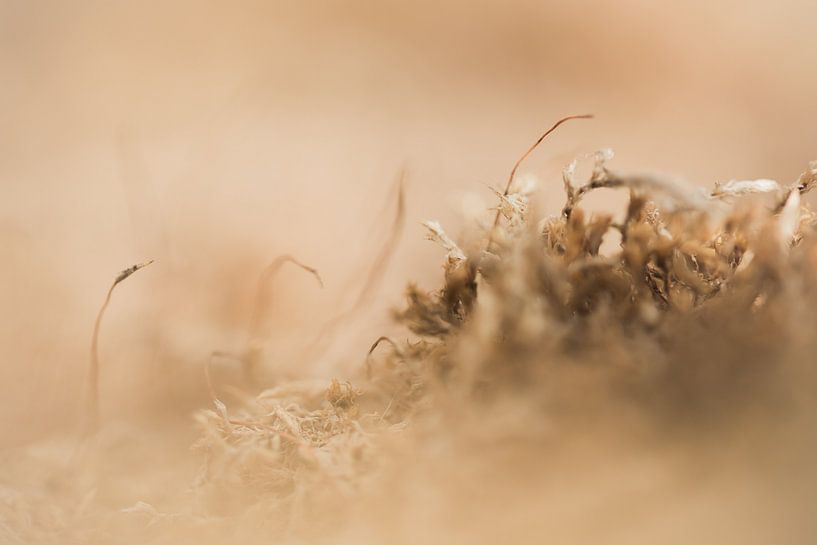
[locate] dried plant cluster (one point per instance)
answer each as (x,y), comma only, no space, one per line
(691,314)
(700,295)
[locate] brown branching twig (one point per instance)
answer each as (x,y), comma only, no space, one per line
(93,370)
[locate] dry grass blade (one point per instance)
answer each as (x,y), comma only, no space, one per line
(93,370)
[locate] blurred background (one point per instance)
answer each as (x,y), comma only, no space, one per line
(213,136)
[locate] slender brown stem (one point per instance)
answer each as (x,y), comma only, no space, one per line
(93,369)
(267,274)
(372,349)
(525,156)
(255,335)
(375,275)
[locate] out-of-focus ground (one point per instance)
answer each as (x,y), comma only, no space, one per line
(214,136)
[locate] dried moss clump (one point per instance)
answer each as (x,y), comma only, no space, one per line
(691,303)
(691,315)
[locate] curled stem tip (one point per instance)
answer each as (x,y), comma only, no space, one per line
(374,347)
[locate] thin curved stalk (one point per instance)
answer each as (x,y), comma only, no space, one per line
(255,333)
(93,370)
(525,156)
(374,276)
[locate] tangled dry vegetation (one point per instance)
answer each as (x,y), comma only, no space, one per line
(688,319)
(699,319)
